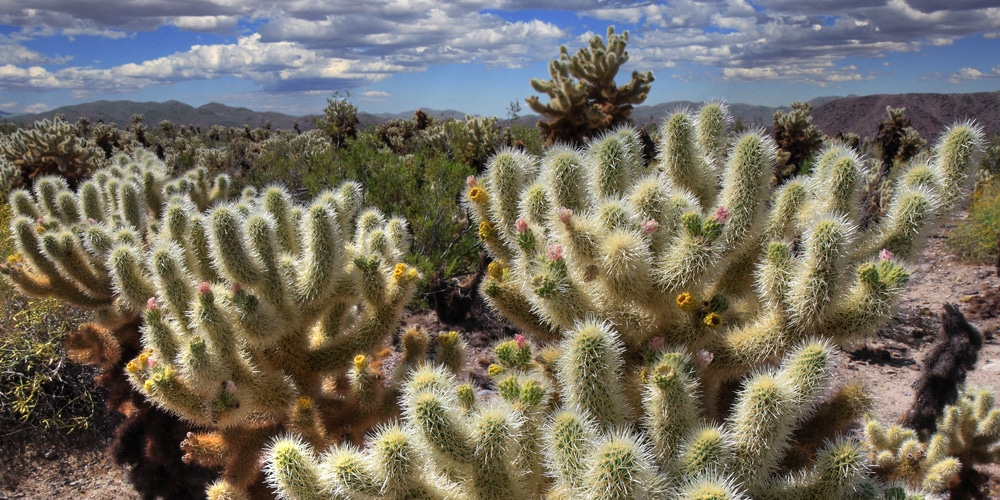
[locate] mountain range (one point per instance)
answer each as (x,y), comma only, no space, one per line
(928,113)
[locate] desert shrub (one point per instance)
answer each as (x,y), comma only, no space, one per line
(975,238)
(40,389)
(423,188)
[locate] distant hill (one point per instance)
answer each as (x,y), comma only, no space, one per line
(369,119)
(178,113)
(929,113)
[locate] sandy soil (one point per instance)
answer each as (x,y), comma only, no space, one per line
(78,468)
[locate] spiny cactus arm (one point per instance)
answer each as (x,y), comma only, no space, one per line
(229,248)
(903,229)
(771,405)
(130,277)
(706,450)
(807,370)
(711,486)
(38,265)
(293,471)
(956,155)
(670,401)
(688,262)
(569,436)
(787,205)
(869,302)
(971,427)
(817,280)
(616,161)
(565,174)
(712,133)
(451,352)
(838,176)
(397,463)
(509,172)
(840,472)
(505,295)
(554,294)
(762,423)
(589,372)
(682,161)
(745,191)
(620,467)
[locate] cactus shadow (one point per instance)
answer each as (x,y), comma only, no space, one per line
(879,356)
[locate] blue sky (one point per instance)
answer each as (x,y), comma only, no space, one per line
(478,56)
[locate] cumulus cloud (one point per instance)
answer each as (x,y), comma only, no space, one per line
(786,40)
(966,74)
(303,45)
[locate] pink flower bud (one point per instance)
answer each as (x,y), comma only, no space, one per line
(236,287)
(151,361)
(204,288)
(554,252)
(151,304)
(885,254)
(565,215)
(470,181)
(650,226)
(229,386)
(721,214)
(39,221)
(703,358)
(521,225)
(91,221)
(521,342)
(656,343)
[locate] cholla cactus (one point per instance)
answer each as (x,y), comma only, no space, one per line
(706,259)
(968,434)
(646,291)
(249,309)
(585,443)
(48,148)
(585,100)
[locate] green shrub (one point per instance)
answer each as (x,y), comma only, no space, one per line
(976,238)
(40,389)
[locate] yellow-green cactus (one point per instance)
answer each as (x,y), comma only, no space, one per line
(249,309)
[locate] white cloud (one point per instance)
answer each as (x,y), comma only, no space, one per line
(967,74)
(36,108)
(375,93)
(207,24)
(302,45)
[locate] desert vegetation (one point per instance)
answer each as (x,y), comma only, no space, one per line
(676,299)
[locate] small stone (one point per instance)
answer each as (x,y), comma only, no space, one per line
(50,455)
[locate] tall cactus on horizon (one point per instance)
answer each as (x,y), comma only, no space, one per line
(584,98)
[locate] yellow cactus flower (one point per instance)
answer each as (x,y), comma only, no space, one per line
(487,231)
(686,302)
(15,258)
(495,269)
(478,195)
(304,403)
(360,363)
(399,270)
(713,320)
